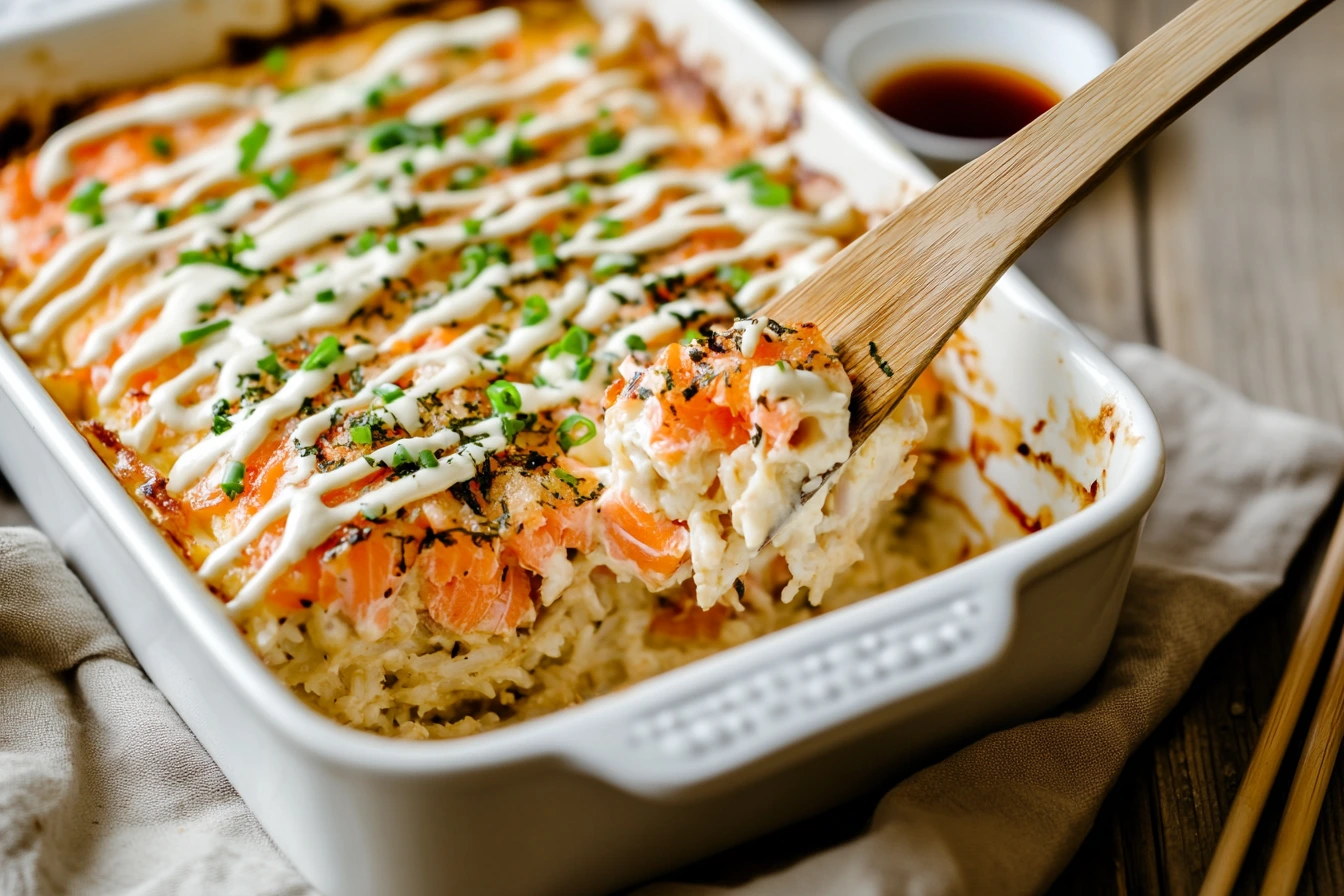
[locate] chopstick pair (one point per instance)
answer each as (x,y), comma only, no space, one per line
(1318,755)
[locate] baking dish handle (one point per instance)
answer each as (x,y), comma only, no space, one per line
(747,712)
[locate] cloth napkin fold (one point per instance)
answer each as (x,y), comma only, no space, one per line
(103,790)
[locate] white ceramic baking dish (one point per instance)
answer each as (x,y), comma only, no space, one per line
(643,780)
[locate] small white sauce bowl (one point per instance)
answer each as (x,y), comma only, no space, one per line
(1059,47)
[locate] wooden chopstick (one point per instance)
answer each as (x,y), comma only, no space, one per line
(1309,784)
(1303,661)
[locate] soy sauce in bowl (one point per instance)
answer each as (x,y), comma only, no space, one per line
(963,98)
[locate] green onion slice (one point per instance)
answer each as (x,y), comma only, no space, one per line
(231,483)
(328,350)
(388,392)
(575,430)
(250,145)
(535,310)
(199,333)
(504,397)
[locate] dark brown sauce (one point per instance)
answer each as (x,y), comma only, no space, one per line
(962,98)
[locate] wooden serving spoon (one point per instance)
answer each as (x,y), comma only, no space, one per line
(893,297)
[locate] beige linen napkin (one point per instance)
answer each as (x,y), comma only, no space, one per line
(102,790)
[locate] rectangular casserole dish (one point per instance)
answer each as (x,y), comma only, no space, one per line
(698,758)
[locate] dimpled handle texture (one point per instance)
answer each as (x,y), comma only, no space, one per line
(772,705)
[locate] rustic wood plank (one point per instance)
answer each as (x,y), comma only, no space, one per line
(1247,221)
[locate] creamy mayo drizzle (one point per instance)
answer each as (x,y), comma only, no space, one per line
(375,194)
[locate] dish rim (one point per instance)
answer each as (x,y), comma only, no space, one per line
(201,613)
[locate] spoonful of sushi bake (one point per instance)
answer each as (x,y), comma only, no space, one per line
(891,299)
(760,435)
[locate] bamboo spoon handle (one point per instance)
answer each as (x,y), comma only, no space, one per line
(890,300)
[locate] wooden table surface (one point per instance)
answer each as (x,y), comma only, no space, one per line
(1223,243)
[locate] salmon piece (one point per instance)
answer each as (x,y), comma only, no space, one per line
(652,543)
(361,575)
(704,402)
(37,225)
(467,588)
(557,531)
(297,586)
(265,466)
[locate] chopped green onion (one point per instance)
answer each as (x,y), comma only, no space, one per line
(609,263)
(576,341)
(770,193)
(199,333)
(566,477)
(514,424)
(393,244)
(388,392)
(746,169)
(160,146)
(231,483)
(535,310)
(427,459)
(89,201)
(222,424)
(363,243)
(604,142)
(224,256)
(408,167)
(610,228)
(579,193)
(163,217)
(733,276)
(569,437)
(636,343)
(371,514)
(630,169)
(519,152)
(390,134)
(250,144)
(526,117)
(477,131)
(401,457)
(377,95)
(280,183)
(584,50)
(504,397)
(361,435)
(325,297)
(208,205)
(328,350)
(471,227)
(543,251)
(276,60)
(691,336)
(582,368)
(271,364)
